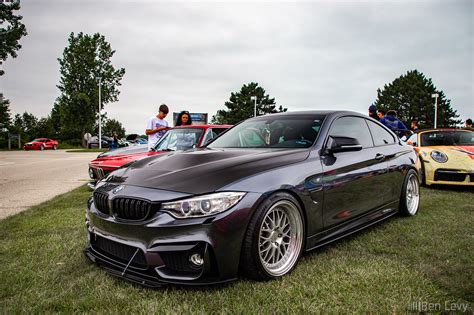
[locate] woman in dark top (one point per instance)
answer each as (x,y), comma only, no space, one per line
(184,118)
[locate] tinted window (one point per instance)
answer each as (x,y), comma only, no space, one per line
(380,135)
(272,132)
(218,131)
(353,127)
(437,138)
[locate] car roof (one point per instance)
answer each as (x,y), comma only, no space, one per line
(330,114)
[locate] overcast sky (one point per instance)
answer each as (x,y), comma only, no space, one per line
(192,54)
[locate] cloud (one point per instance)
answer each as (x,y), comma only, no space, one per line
(192,55)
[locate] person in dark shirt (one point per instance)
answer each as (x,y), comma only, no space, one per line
(381,113)
(392,122)
(373,112)
(184,118)
(469,124)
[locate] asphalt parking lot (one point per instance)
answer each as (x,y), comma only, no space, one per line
(28,178)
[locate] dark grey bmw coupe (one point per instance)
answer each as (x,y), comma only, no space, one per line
(252,200)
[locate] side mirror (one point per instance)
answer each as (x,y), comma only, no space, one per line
(342,144)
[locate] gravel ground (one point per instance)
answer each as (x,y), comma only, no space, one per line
(28,178)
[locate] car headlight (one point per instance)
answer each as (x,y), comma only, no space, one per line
(439,156)
(202,205)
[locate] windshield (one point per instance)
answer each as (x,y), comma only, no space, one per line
(179,139)
(273,132)
(440,138)
(39,140)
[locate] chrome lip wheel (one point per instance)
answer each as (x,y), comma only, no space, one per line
(280,238)
(412,194)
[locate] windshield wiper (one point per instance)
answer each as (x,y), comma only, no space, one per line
(168,150)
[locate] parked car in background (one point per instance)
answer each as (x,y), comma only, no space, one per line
(447,156)
(93,142)
(252,200)
(136,139)
(123,143)
(178,138)
(41,144)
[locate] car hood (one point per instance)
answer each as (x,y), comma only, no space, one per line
(126,150)
(204,170)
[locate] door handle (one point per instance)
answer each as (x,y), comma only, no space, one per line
(379,157)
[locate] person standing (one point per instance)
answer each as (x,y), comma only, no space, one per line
(380,114)
(414,125)
(184,119)
(391,121)
(468,125)
(114,141)
(373,112)
(157,126)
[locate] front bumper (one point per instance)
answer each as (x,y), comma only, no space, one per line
(448,176)
(158,251)
(31,147)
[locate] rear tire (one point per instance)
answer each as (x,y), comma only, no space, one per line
(274,239)
(410,198)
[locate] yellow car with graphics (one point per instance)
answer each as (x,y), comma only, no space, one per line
(447,156)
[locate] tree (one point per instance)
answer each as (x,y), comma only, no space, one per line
(25,125)
(84,59)
(45,128)
(411,96)
(11,31)
(241,107)
(111,126)
(5,118)
(55,117)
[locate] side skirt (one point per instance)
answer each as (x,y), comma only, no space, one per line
(346,229)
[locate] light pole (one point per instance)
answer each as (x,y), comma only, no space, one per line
(436,95)
(254,99)
(100,103)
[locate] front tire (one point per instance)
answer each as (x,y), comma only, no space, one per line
(410,198)
(55,147)
(274,239)
(42,148)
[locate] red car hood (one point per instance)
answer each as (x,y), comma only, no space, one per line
(120,160)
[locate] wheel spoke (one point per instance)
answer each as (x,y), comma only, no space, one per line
(262,251)
(279,254)
(281,218)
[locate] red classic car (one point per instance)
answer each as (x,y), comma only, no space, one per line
(41,144)
(178,138)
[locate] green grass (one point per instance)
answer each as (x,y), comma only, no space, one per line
(428,258)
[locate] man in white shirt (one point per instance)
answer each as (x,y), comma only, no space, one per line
(157,126)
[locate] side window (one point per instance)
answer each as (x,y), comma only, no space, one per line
(353,127)
(380,135)
(207,137)
(218,131)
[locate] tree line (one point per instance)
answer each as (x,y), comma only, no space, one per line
(86,62)
(29,127)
